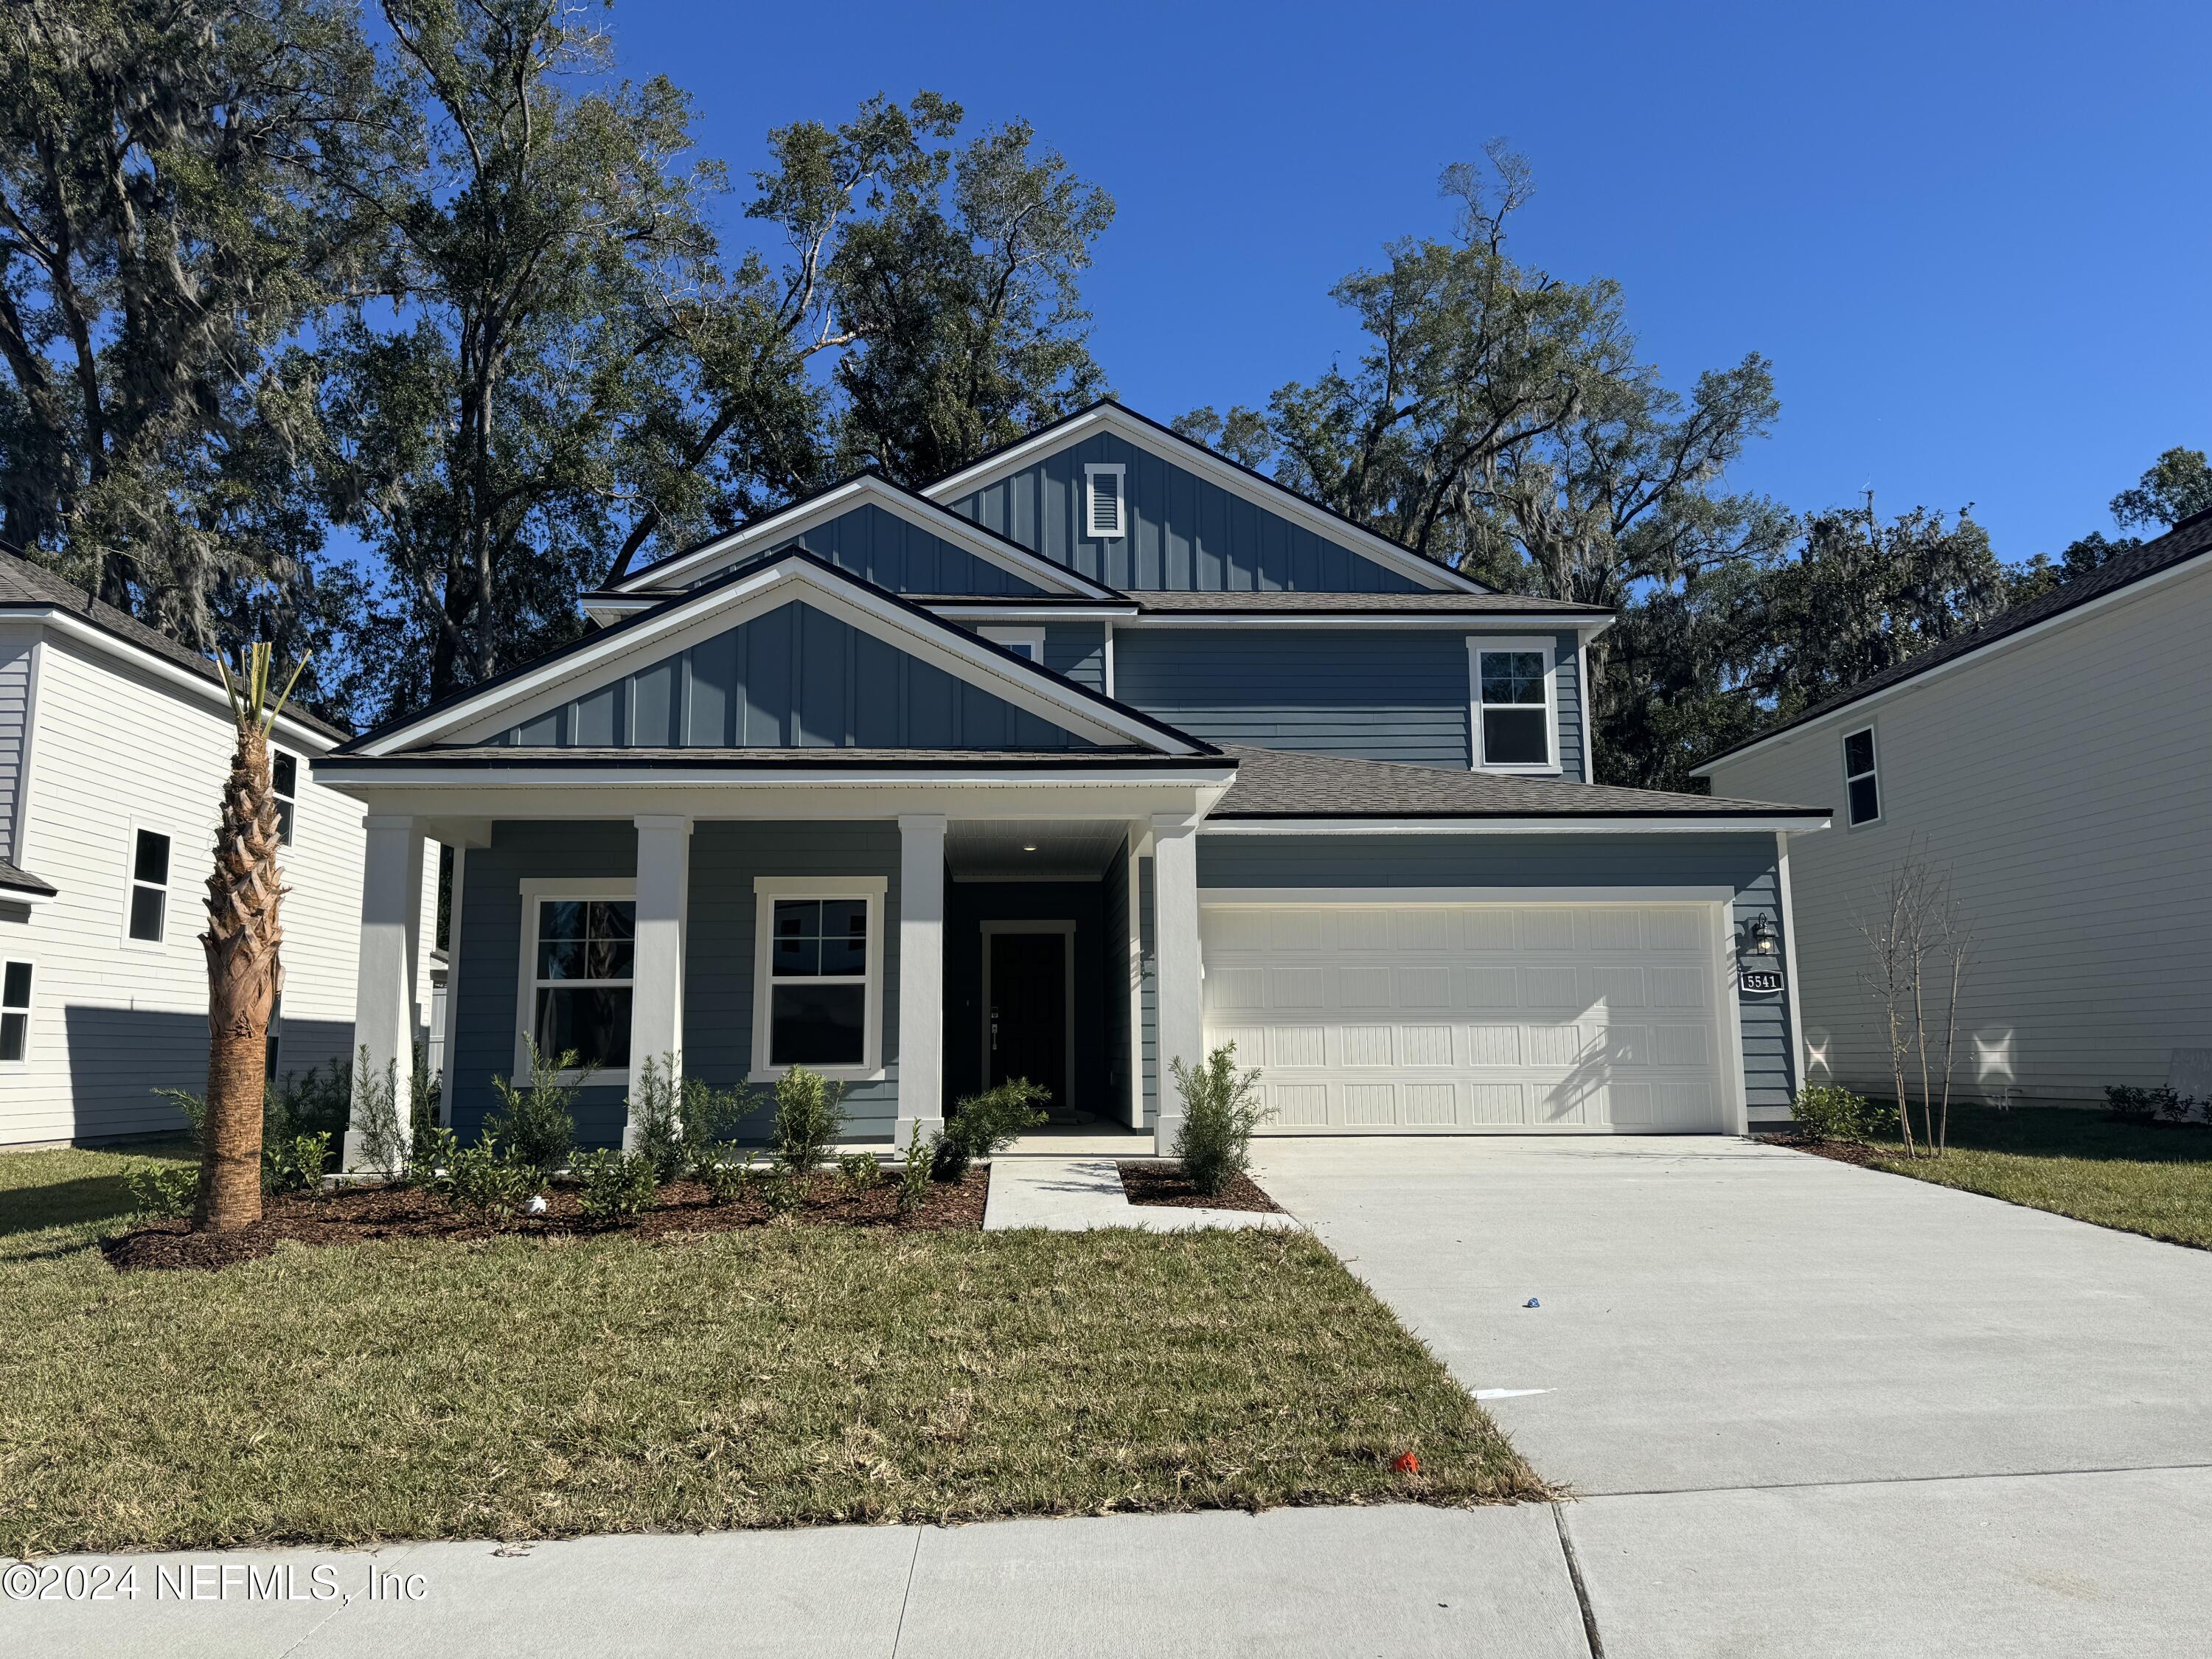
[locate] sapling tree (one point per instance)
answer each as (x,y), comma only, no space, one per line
(1919,944)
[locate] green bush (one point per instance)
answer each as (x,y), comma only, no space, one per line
(656,1118)
(727,1173)
(986,1124)
(809,1112)
(859,1173)
(537,1124)
(617,1186)
(376,1110)
(1824,1112)
(163,1190)
(1220,1110)
(2154,1105)
(489,1185)
(295,1163)
(914,1174)
(711,1116)
(436,1150)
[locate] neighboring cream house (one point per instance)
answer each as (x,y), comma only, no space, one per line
(2057,763)
(114,745)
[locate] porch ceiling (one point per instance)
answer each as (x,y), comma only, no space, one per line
(1022,850)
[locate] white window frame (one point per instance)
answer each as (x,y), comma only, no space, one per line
(766,891)
(1874,771)
(291,801)
(1090,529)
(26,1010)
(536,892)
(134,828)
(1015,638)
(1478,645)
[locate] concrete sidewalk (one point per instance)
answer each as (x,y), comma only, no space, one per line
(1075,1195)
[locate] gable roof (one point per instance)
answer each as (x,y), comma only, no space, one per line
(1170,446)
(26,588)
(2188,539)
(769,530)
(469,717)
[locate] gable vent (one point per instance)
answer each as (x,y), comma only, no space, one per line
(1105,510)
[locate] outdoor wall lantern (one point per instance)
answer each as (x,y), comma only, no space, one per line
(1756,937)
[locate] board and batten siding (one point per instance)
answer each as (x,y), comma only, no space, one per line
(112,1018)
(718,955)
(1642,865)
(2061,781)
(884,548)
(1185,533)
(1368,694)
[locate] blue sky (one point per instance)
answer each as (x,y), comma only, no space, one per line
(1972,239)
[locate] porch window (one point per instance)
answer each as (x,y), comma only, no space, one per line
(1513,712)
(582,953)
(819,992)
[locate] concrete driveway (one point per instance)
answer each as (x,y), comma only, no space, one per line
(1807,1408)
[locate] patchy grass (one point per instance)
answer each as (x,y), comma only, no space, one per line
(535,1388)
(2139,1179)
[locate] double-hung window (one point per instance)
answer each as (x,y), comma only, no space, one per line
(149,886)
(1514,714)
(14,1012)
(1861,787)
(284,774)
(818,976)
(581,950)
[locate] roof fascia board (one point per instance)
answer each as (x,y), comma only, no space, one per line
(1033,613)
(1520,622)
(428,772)
(1674,824)
(1196,458)
(1986,652)
(868,489)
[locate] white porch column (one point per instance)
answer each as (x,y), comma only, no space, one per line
(920,976)
(384,989)
(1174,908)
(656,1004)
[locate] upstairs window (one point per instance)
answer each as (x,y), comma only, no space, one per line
(149,886)
(1859,783)
(284,773)
(1513,712)
(583,955)
(14,1011)
(1105,506)
(1022,641)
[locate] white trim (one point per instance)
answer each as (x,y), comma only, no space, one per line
(946,647)
(1066,929)
(452,984)
(536,891)
(1873,771)
(1109,654)
(1736,1101)
(133,826)
(1854,708)
(1583,703)
(1197,458)
(1134,843)
(1480,645)
(1092,471)
(1321,898)
(498,781)
(766,891)
(1800,1052)
(1014,638)
(299,763)
(1456,621)
(928,514)
(1570,823)
(23,1062)
(26,756)
(967,612)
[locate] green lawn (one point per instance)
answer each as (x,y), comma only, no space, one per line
(2078,1163)
(540,1386)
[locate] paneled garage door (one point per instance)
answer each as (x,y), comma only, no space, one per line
(1437,1017)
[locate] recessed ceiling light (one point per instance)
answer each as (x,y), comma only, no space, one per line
(1031,848)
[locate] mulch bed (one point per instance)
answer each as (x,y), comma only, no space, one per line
(1843,1151)
(1164,1183)
(359,1215)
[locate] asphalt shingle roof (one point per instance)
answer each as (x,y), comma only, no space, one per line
(1323,603)
(13,880)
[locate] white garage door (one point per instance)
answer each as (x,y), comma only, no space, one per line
(1438,1016)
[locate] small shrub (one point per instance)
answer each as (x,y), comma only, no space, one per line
(656,1118)
(986,1124)
(195,1110)
(489,1185)
(537,1124)
(1826,1112)
(859,1174)
(617,1186)
(726,1172)
(914,1174)
(376,1110)
(711,1116)
(809,1113)
(436,1150)
(162,1190)
(2154,1105)
(779,1190)
(1220,1110)
(318,1098)
(295,1164)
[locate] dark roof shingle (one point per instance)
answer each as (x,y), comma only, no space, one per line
(13,880)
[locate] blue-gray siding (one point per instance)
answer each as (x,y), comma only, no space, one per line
(1148,1011)
(1744,864)
(1372,694)
(884,548)
(718,946)
(793,679)
(1184,532)
(1077,651)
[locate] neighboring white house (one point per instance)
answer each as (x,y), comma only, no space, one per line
(114,745)
(2057,763)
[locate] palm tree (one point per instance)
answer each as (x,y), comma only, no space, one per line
(244,972)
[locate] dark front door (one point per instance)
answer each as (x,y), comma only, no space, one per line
(1028,1034)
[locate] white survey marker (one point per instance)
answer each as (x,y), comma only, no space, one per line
(1506,1393)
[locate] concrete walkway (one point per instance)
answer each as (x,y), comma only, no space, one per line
(1075,1195)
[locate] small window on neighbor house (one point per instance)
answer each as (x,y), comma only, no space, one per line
(149,886)
(284,773)
(15,1011)
(1105,511)
(1859,783)
(1513,691)
(585,956)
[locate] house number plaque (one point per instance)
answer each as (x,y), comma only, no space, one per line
(1761,979)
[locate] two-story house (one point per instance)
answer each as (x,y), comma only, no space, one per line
(115,744)
(1096,754)
(2049,766)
